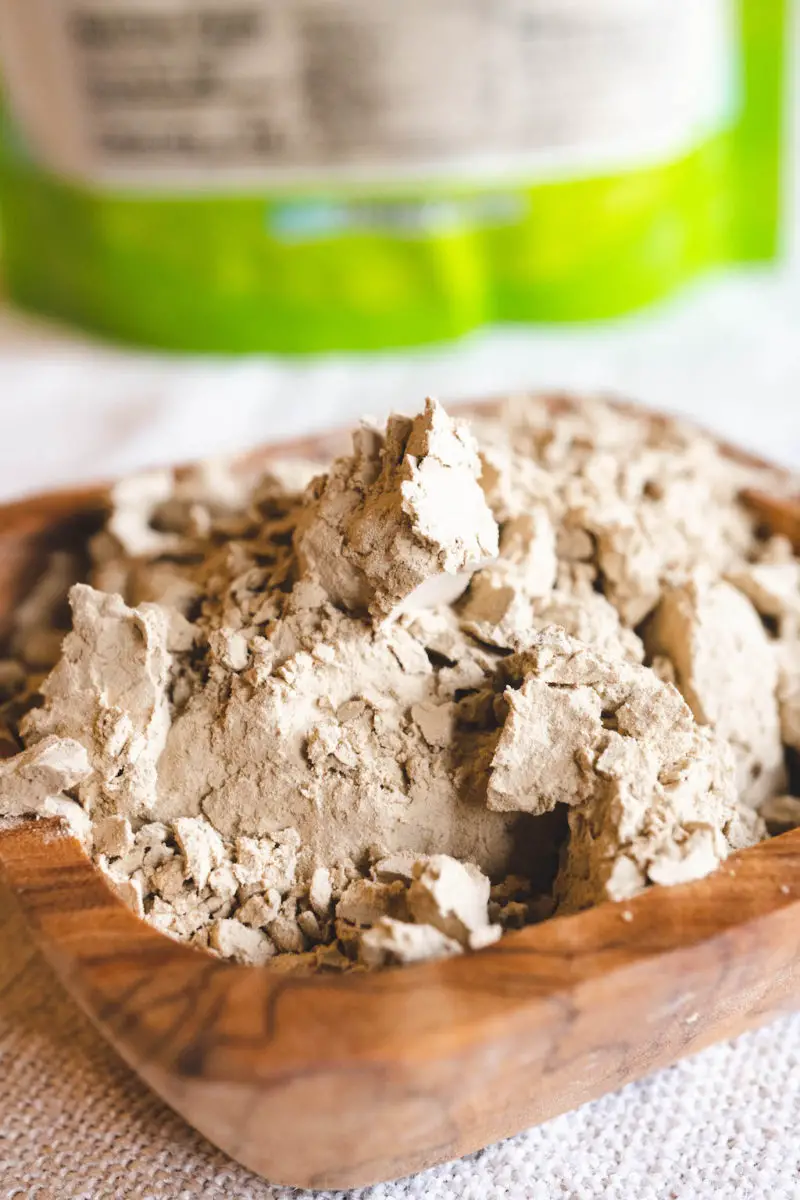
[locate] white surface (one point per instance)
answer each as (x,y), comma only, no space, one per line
(727,352)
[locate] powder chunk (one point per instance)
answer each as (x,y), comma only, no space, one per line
(364,902)
(396,867)
(201,847)
(725,667)
(309,925)
(134,502)
(392,942)
(402,509)
(264,863)
(182,915)
(438,894)
(499,612)
(234,940)
(630,554)
(222,881)
(151,847)
(499,607)
(320,891)
(76,819)
(40,773)
(651,795)
(653,820)
(494,602)
(109,692)
(774,589)
(287,935)
(129,888)
(168,878)
(657,501)
(113,836)
(260,910)
(540,760)
(589,617)
(435,722)
(528,543)
(330,958)
(229,648)
(453,897)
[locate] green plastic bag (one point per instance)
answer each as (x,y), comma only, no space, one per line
(302,175)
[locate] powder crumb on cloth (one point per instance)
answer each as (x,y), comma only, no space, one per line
(461,679)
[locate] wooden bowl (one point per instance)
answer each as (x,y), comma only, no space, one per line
(334,1082)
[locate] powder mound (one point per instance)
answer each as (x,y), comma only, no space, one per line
(36,782)
(338,719)
(406,507)
(353,746)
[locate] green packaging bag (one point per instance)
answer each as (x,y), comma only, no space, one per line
(301,175)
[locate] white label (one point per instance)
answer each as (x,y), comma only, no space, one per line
(166,92)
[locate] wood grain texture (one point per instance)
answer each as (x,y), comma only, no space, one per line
(341,1081)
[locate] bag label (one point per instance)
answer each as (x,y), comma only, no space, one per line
(176,94)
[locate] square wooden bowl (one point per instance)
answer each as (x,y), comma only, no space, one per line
(336,1081)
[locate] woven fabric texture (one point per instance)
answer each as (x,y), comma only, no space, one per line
(76,1124)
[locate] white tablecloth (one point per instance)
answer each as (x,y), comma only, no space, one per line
(74,1123)
(726,352)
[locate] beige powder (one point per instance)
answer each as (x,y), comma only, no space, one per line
(726,668)
(332,724)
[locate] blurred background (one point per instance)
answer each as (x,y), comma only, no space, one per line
(230,223)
